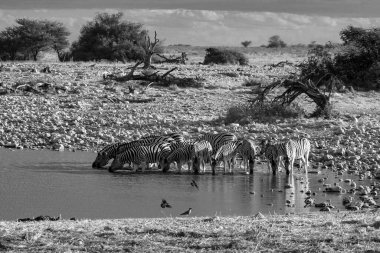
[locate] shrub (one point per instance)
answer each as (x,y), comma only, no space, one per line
(275,41)
(265,112)
(246,43)
(252,82)
(271,111)
(236,114)
(224,56)
(355,63)
(109,37)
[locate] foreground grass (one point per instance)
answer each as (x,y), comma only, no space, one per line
(314,232)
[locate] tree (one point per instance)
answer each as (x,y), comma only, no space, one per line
(10,43)
(59,41)
(29,37)
(275,42)
(246,43)
(109,37)
(150,48)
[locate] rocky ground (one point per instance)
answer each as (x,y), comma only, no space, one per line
(74,108)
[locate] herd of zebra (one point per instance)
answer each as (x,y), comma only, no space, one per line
(210,148)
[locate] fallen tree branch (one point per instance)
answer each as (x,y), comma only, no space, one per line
(142,100)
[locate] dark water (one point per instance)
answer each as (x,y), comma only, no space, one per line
(36,183)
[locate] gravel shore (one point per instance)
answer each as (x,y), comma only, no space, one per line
(314,232)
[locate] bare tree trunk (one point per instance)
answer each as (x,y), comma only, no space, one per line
(148,60)
(150,49)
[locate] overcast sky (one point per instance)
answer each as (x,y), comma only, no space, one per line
(211,22)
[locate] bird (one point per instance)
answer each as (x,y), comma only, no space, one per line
(164,204)
(187,212)
(193,183)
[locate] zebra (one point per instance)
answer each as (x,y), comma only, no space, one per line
(290,150)
(110,151)
(227,153)
(270,152)
(201,153)
(248,152)
(139,154)
(106,154)
(299,149)
(217,140)
(180,155)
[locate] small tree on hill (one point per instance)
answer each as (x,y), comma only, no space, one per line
(275,42)
(246,43)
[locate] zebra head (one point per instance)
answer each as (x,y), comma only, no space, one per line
(106,154)
(264,144)
(116,164)
(101,160)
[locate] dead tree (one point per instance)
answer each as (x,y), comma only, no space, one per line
(173,59)
(155,77)
(295,88)
(150,49)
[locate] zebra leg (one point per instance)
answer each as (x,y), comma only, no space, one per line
(179,166)
(307,161)
(145,165)
(287,165)
(251,165)
(291,166)
(274,166)
(189,165)
(232,165)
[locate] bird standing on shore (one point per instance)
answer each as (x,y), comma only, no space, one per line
(187,212)
(165,204)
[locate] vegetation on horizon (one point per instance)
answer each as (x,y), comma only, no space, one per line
(224,56)
(29,37)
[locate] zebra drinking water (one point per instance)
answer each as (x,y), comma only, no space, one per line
(141,154)
(290,151)
(226,153)
(248,152)
(180,155)
(201,153)
(110,151)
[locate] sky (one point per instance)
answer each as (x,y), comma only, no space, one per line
(210,22)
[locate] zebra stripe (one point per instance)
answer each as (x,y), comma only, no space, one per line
(227,153)
(106,154)
(290,150)
(299,149)
(180,155)
(139,154)
(201,153)
(248,152)
(217,140)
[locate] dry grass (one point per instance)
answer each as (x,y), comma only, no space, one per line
(315,232)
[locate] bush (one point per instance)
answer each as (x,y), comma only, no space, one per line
(224,56)
(236,114)
(276,42)
(109,37)
(252,82)
(265,112)
(355,63)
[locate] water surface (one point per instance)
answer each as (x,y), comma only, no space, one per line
(36,183)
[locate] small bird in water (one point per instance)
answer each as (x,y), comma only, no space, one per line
(164,204)
(193,183)
(187,212)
